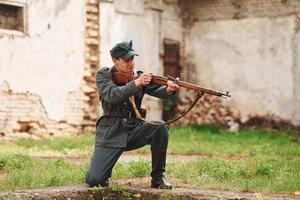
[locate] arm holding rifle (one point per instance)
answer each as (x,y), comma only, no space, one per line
(172,84)
(172,87)
(146,78)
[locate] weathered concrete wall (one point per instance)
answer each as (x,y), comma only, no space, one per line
(46,73)
(171,23)
(138,21)
(256,58)
(296,72)
(207,10)
(38,62)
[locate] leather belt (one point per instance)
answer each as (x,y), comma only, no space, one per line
(118,114)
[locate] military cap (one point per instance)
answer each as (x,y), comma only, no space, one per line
(123,50)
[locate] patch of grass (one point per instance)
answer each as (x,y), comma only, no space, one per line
(22,172)
(196,139)
(209,140)
(59,146)
(250,174)
(59,143)
(139,168)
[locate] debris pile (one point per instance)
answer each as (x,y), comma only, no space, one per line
(213,110)
(209,109)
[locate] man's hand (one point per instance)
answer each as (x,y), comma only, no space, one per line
(143,80)
(172,87)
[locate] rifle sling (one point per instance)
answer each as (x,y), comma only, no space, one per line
(199,95)
(138,116)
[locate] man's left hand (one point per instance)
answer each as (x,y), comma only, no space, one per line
(172,87)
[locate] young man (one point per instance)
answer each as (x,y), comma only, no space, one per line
(118,129)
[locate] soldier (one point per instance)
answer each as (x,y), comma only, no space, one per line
(118,129)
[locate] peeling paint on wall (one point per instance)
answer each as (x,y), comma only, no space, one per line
(47,78)
(253,54)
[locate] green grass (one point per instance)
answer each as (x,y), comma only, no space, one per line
(209,140)
(132,169)
(250,174)
(204,139)
(268,161)
(24,172)
(59,146)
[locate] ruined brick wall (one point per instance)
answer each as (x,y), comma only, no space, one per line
(91,109)
(83,105)
(205,10)
(24,115)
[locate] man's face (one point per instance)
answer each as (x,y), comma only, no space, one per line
(124,66)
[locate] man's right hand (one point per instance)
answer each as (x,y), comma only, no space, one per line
(143,80)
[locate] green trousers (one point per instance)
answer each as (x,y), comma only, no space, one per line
(104,158)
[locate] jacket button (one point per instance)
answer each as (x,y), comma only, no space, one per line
(125,103)
(124,119)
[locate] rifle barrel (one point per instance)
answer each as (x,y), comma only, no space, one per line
(163,81)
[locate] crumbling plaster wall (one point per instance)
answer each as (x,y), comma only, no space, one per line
(171,24)
(47,73)
(48,59)
(250,48)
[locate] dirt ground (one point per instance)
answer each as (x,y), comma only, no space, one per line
(139,189)
(184,189)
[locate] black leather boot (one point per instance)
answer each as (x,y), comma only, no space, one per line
(104,184)
(158,168)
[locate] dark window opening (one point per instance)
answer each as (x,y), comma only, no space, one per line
(11,17)
(171,61)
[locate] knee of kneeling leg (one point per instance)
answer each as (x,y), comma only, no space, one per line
(164,130)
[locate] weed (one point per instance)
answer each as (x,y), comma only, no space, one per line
(140,168)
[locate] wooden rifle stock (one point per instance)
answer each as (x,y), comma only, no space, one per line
(162,80)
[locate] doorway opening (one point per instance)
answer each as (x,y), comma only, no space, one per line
(171,62)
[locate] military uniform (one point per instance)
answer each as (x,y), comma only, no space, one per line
(119,130)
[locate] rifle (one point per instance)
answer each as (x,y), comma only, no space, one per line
(162,80)
(122,78)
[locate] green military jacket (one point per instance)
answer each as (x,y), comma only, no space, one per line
(112,131)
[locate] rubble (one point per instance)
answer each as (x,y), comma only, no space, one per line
(213,110)
(209,109)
